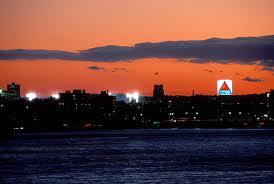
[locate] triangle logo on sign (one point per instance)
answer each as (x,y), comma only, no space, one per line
(224,87)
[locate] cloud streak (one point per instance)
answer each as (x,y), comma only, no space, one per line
(242,50)
(115,69)
(268,68)
(207,70)
(96,68)
(248,79)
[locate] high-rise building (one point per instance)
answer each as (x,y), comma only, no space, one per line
(158,91)
(13,90)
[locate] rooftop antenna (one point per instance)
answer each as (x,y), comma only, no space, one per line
(157,77)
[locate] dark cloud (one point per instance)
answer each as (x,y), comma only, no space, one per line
(211,71)
(243,50)
(119,69)
(248,79)
(207,70)
(268,68)
(37,54)
(96,68)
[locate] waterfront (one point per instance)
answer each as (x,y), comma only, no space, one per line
(139,156)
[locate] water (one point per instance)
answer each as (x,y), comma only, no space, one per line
(139,156)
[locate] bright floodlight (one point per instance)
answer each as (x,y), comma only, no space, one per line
(136,96)
(133,96)
(31,96)
(55,95)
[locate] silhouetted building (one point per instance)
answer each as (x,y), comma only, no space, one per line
(3,93)
(78,91)
(79,109)
(270,104)
(13,90)
(158,91)
(76,95)
(104,93)
(105,102)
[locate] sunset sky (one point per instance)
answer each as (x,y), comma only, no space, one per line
(77,25)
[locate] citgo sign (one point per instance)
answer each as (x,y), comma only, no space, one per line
(224,87)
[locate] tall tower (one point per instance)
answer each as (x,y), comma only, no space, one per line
(13,90)
(158,91)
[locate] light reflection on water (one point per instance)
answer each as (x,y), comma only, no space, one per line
(139,156)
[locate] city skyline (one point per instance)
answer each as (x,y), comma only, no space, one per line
(137,91)
(85,25)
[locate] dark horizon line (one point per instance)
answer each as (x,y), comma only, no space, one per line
(166,95)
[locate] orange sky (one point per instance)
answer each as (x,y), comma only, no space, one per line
(75,25)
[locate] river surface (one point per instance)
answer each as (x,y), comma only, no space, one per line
(139,156)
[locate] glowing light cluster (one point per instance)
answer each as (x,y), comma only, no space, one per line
(133,96)
(55,95)
(31,96)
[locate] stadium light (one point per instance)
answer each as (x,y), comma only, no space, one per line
(55,96)
(133,96)
(31,96)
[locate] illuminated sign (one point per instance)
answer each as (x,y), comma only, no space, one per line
(224,87)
